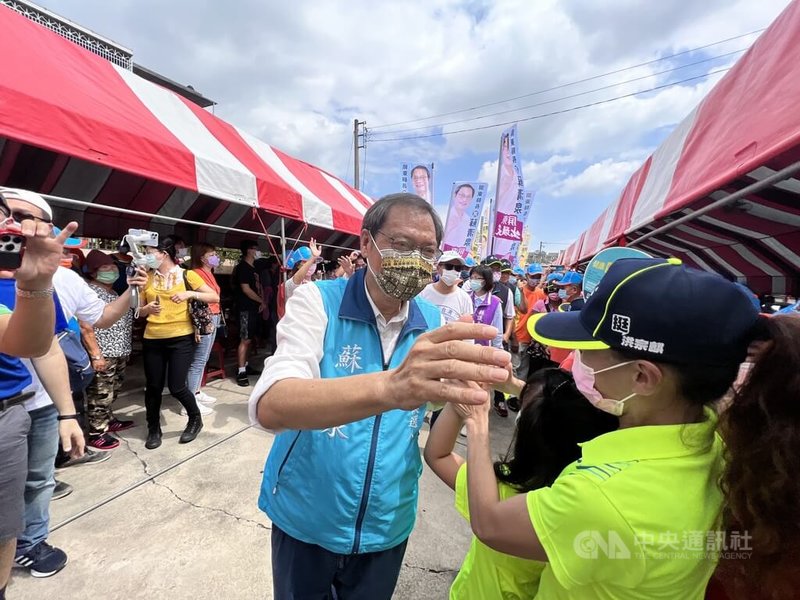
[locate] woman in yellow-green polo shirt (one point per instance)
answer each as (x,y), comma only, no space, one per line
(639,514)
(169,337)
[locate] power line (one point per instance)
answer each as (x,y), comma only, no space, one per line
(563,85)
(554,100)
(557,112)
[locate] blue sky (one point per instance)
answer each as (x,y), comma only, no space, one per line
(297,74)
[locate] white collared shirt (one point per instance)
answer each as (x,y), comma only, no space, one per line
(300,340)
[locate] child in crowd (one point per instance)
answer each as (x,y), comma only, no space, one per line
(555,417)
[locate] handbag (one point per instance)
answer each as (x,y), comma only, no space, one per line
(199,312)
(79,365)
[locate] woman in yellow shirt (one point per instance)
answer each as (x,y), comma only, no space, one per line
(169,337)
(553,420)
(639,514)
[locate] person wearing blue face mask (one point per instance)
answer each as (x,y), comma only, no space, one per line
(487,307)
(109,350)
(570,290)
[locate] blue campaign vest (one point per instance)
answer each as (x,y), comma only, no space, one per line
(351,489)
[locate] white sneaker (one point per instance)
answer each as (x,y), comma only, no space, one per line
(205,398)
(204,410)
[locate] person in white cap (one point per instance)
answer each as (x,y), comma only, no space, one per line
(453,302)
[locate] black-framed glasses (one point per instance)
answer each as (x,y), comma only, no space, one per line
(431,253)
(20,215)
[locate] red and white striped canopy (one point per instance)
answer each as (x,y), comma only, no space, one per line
(74,125)
(744,131)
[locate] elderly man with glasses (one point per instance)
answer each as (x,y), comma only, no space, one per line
(357,362)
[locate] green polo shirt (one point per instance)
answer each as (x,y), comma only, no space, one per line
(485,573)
(634,517)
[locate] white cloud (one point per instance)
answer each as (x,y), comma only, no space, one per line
(598,179)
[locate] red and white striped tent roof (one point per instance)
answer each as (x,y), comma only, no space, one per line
(742,139)
(76,126)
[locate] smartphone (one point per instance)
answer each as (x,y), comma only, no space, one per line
(11,244)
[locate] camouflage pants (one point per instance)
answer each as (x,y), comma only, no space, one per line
(102,392)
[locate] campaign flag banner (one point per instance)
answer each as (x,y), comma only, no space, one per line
(511,250)
(417,178)
(507,223)
(464,216)
(601,262)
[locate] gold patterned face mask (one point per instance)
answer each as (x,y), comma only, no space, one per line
(403,275)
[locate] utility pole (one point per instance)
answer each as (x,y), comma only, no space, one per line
(541,252)
(359,142)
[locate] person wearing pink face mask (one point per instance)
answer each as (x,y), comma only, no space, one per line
(653,347)
(204,261)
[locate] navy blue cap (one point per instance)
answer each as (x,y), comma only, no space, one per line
(660,310)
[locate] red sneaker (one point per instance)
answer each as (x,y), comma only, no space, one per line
(103,442)
(115,425)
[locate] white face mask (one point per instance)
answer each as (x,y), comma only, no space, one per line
(512,281)
(182,253)
(584,381)
(449,278)
(258,254)
(495,277)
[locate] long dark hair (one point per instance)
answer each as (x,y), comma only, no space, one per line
(555,417)
(761,429)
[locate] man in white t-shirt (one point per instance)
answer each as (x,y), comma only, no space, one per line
(453,302)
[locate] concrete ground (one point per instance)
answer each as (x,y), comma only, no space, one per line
(194,531)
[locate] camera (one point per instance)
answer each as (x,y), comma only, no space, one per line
(137,240)
(11,244)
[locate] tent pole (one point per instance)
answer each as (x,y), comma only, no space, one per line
(137,213)
(742,193)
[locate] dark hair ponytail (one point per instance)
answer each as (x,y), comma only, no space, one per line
(555,417)
(761,481)
(167,244)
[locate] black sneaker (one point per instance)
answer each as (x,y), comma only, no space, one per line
(242,379)
(43,560)
(61,490)
(513,404)
(90,457)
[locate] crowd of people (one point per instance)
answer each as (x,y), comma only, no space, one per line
(653,442)
(663,374)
